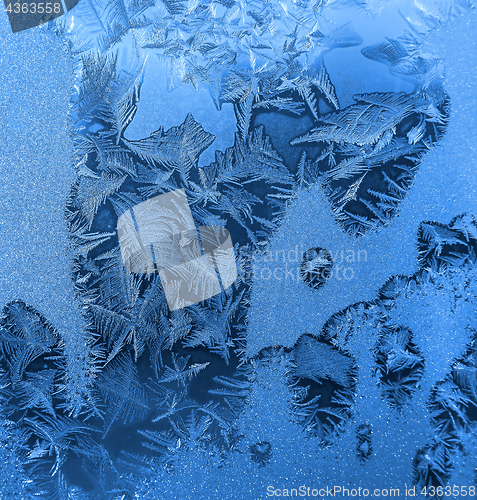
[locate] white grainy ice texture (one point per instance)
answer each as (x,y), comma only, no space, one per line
(36,173)
(445,185)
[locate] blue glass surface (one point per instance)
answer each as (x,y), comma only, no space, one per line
(336,143)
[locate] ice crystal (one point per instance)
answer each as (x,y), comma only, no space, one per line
(346,343)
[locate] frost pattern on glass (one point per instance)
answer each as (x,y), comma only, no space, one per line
(365,380)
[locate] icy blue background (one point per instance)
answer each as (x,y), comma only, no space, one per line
(102,409)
